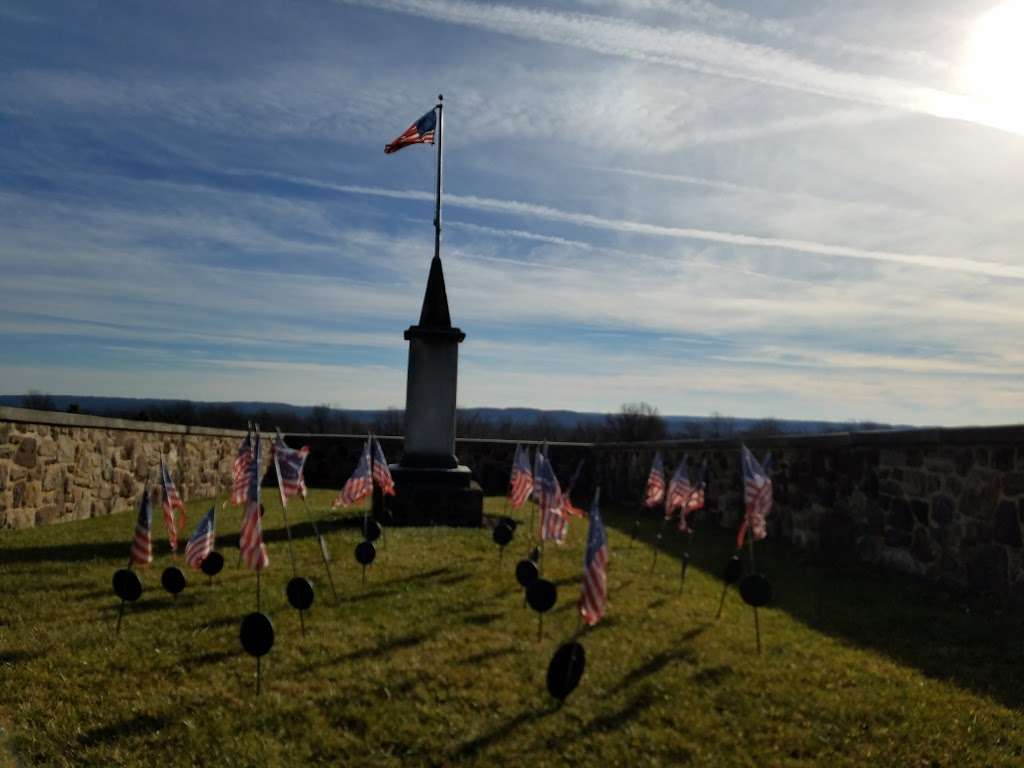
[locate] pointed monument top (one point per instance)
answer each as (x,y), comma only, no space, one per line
(435,319)
(434,314)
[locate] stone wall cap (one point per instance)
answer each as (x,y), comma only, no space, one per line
(61,419)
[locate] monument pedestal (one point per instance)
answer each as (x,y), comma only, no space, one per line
(431,487)
(434,497)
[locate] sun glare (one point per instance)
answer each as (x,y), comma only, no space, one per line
(995,61)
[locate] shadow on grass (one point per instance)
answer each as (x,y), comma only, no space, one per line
(213,657)
(615,720)
(503,731)
(382,649)
(139,725)
(658,662)
(973,643)
(483,656)
(482,619)
(14,658)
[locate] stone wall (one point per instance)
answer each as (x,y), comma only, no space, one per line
(56,467)
(942,504)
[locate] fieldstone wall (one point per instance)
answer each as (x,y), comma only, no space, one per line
(946,505)
(56,467)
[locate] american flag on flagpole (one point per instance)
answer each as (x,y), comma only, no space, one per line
(289,463)
(521,480)
(172,501)
(679,489)
(420,132)
(250,539)
(142,544)
(360,484)
(381,471)
(240,471)
(654,493)
(595,564)
(200,543)
(757,496)
(553,524)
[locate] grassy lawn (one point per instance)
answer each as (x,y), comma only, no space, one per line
(436,661)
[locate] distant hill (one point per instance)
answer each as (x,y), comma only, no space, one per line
(129,407)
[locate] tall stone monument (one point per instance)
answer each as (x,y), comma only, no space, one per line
(431,486)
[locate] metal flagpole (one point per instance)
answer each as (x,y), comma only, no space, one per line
(757,623)
(437,201)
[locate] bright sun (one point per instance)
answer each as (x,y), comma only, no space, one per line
(995,60)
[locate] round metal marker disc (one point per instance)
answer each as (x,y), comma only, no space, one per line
(733,570)
(541,595)
(300,593)
(502,535)
(526,573)
(256,634)
(756,590)
(509,521)
(213,564)
(365,552)
(173,579)
(566,669)
(127,585)
(373,530)
(535,555)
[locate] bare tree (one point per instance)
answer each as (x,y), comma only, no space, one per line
(38,401)
(635,422)
(720,426)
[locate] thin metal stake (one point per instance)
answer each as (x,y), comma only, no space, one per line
(258,675)
(657,541)
(636,529)
(323,547)
(757,623)
(364,575)
(540,627)
(120,613)
(722,601)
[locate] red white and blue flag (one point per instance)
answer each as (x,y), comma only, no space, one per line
(360,484)
(521,481)
(695,499)
(567,506)
(757,496)
(420,132)
(200,543)
(595,564)
(381,471)
(172,501)
(142,544)
(679,489)
(250,540)
(553,524)
(654,493)
(289,463)
(240,471)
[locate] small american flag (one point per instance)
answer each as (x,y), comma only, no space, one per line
(200,543)
(679,489)
(553,524)
(654,494)
(757,495)
(521,481)
(142,544)
(695,501)
(381,471)
(360,484)
(250,539)
(240,471)
(289,463)
(420,132)
(568,507)
(595,563)
(172,501)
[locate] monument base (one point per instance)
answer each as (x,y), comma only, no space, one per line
(433,497)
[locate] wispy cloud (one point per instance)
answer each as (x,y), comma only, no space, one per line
(625,226)
(709,54)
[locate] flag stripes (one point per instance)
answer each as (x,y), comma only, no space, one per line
(200,543)
(142,543)
(654,493)
(521,480)
(594,592)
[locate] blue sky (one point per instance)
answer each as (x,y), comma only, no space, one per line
(791,209)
